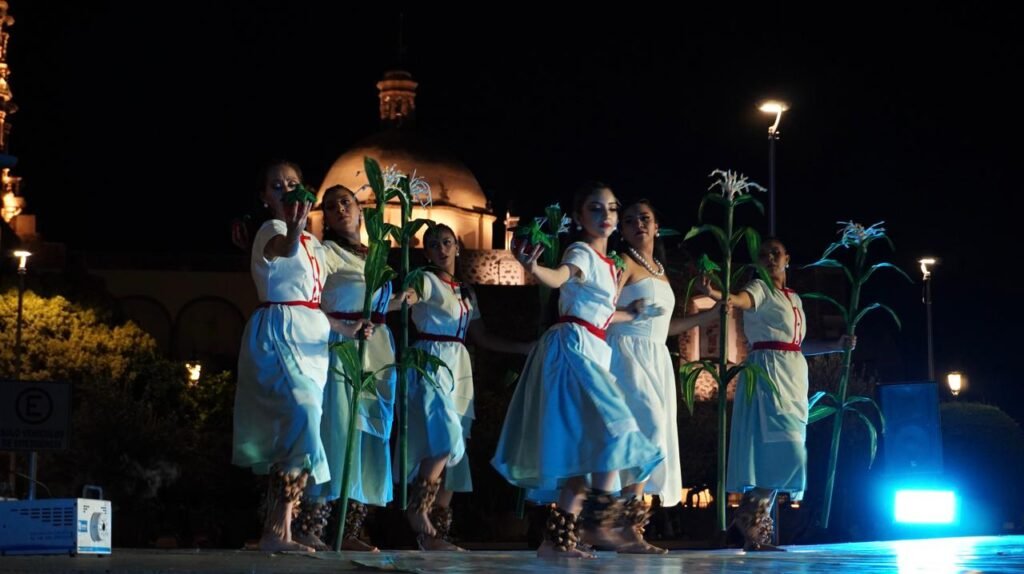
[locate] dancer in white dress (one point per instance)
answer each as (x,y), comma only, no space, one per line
(643,367)
(282,365)
(767,453)
(440,417)
(568,422)
(343,299)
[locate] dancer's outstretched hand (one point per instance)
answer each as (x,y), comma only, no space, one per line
(528,257)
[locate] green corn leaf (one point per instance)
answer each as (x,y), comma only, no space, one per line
(872,307)
(301,194)
(374,176)
(884,265)
(826,298)
(819,412)
(872,434)
(860,400)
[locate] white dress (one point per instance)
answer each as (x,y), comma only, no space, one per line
(766,445)
(643,369)
(371,481)
(282,364)
(567,416)
(441,416)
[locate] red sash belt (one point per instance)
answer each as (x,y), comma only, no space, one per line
(776,346)
(597,331)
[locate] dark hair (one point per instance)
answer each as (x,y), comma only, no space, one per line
(331,234)
(269,166)
(750,274)
(579,197)
(264,212)
(776,239)
(257,213)
(659,245)
(434,231)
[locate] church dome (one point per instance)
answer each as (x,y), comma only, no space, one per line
(451,182)
(457,199)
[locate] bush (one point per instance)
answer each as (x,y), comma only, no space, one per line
(159,447)
(983,453)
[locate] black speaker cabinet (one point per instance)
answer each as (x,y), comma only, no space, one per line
(913,437)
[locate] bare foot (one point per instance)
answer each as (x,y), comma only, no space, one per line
(431,544)
(548,550)
(635,543)
(311,540)
(357,545)
(603,538)
(420,523)
(273,543)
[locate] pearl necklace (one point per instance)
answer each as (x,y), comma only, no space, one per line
(643,261)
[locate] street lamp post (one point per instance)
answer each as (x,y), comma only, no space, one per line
(956,382)
(22,270)
(772,107)
(927,273)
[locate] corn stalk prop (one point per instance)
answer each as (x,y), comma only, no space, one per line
(386,185)
(734,190)
(853,238)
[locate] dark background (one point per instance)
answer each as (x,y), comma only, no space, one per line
(142,127)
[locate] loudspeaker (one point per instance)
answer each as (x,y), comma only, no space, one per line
(913,435)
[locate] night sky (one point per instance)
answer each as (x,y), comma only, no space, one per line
(898,114)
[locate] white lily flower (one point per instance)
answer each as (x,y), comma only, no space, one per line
(854,234)
(733,183)
(420,190)
(565,225)
(392,178)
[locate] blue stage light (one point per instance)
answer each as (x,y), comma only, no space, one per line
(925,506)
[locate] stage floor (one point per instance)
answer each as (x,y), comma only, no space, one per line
(934,556)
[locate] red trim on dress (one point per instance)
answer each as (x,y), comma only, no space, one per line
(594,329)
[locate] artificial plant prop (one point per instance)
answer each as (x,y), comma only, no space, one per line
(854,238)
(733,191)
(386,185)
(300,194)
(544,231)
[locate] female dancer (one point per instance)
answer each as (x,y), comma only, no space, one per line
(568,423)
